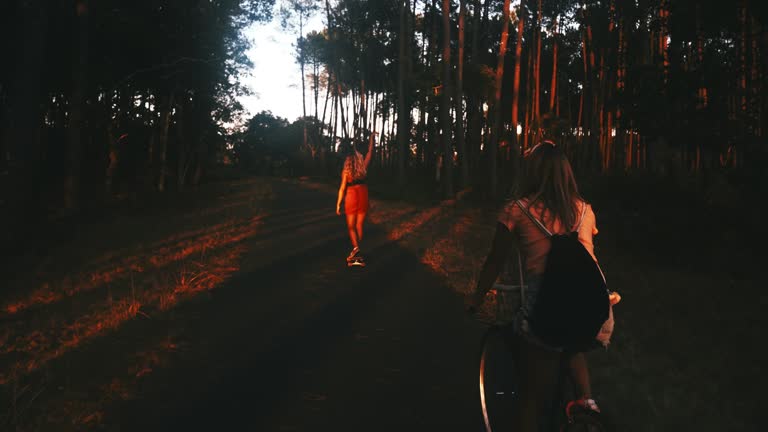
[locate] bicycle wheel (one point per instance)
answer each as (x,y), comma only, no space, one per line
(498,388)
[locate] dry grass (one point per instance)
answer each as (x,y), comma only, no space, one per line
(68,310)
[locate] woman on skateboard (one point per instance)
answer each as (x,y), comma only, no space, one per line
(354,192)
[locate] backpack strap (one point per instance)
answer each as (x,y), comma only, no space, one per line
(533,218)
(549,234)
(581,220)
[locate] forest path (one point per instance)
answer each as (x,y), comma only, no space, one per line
(306,343)
(294,340)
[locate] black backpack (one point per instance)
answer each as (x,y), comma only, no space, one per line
(572,302)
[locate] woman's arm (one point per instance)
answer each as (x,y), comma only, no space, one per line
(342,189)
(588,230)
(370,150)
(502,241)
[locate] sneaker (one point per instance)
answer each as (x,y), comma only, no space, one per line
(356,261)
(584,404)
(355,251)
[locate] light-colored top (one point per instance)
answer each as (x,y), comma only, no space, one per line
(533,242)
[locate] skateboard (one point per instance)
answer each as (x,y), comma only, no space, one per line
(356,261)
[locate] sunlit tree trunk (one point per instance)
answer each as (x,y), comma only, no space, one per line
(402,116)
(537,73)
(516,82)
(529,91)
(497,126)
(663,38)
(432,151)
(446,103)
(553,85)
(464,160)
(474,101)
(580,117)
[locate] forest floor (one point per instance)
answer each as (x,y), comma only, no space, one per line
(98,324)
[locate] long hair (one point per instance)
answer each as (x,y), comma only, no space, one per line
(548,179)
(354,162)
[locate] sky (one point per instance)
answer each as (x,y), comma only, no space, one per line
(275,78)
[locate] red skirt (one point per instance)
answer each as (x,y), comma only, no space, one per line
(356,199)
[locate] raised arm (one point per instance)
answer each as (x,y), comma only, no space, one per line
(370,149)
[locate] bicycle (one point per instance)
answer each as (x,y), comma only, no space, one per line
(498,388)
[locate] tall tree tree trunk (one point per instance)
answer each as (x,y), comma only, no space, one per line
(446,103)
(474,101)
(183,141)
(516,79)
(316,78)
(402,116)
(497,126)
(464,160)
(530,91)
(327,96)
(79,74)
(553,85)
(113,156)
(166,110)
(537,74)
(301,65)
(663,38)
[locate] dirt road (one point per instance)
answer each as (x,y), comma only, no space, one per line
(294,341)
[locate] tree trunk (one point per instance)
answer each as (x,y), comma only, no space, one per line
(316,78)
(497,126)
(165,125)
(553,85)
(75,126)
(401,105)
(460,99)
(183,139)
(516,82)
(113,156)
(537,74)
(446,103)
(474,101)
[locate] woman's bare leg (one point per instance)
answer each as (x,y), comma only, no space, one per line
(359,219)
(577,364)
(352,229)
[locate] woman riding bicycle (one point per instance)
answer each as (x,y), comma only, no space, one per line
(548,191)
